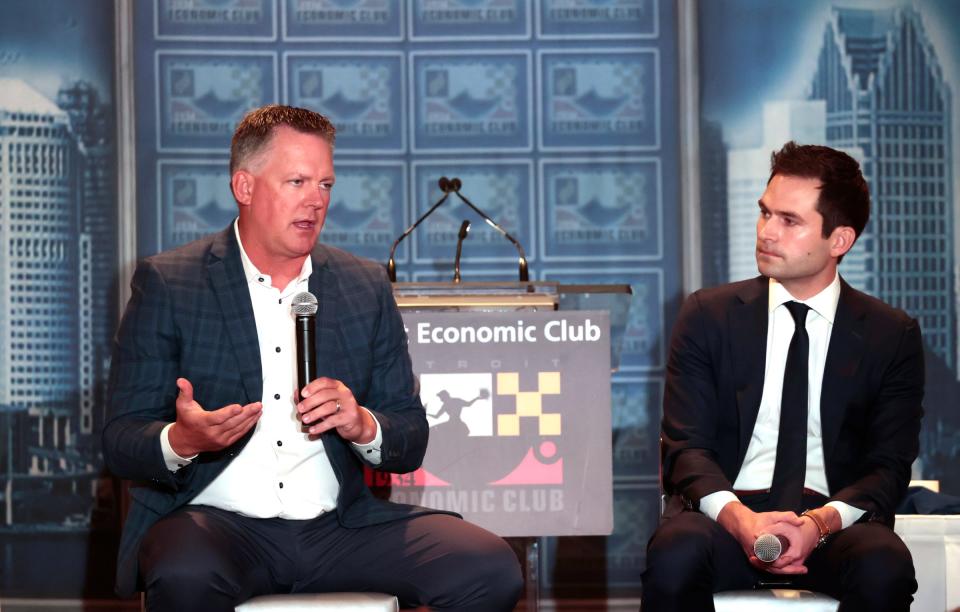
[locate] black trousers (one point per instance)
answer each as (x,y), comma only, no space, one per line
(690,557)
(206,559)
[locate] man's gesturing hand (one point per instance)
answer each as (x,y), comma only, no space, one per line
(329,404)
(197,430)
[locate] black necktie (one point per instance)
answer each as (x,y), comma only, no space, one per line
(786,491)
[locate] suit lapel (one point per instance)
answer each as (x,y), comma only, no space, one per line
(322,286)
(843,361)
(230,287)
(748,325)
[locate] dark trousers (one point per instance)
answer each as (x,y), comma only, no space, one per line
(207,559)
(690,557)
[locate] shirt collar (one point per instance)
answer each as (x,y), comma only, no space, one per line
(253,275)
(823,303)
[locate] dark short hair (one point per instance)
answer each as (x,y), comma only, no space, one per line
(255,130)
(844,195)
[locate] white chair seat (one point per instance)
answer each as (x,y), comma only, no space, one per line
(321,602)
(792,600)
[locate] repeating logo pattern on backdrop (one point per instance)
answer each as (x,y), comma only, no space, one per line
(604,100)
(204,95)
(215,19)
(362,94)
(471,100)
(326,20)
(469,19)
(601,208)
(572,19)
(195,200)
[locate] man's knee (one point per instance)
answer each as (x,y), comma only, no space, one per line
(678,551)
(494,572)
(884,573)
(481,571)
(188,569)
(177,571)
(877,572)
(500,569)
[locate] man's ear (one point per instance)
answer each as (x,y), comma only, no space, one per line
(241,183)
(841,240)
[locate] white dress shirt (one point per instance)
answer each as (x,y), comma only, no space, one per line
(757,469)
(280,472)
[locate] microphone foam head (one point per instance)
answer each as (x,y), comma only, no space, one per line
(767,548)
(304,303)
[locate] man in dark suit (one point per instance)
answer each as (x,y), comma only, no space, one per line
(792,407)
(246,485)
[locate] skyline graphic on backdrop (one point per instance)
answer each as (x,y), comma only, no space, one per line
(58,262)
(59,257)
(879,92)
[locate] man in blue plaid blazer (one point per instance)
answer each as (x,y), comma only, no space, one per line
(243,484)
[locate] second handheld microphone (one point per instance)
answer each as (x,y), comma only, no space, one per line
(769,547)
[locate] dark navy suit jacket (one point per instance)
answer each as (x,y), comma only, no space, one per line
(190,315)
(870,406)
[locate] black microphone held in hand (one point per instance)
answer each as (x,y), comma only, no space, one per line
(769,547)
(304,308)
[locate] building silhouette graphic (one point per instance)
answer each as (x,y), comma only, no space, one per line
(713,207)
(89,122)
(886,95)
(44,325)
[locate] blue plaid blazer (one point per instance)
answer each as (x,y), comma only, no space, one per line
(190,315)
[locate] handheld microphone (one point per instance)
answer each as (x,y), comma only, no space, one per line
(461,236)
(304,308)
(769,547)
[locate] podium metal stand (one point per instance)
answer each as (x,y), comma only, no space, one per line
(542,297)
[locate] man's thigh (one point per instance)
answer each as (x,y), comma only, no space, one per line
(209,559)
(434,559)
(865,558)
(692,551)
(202,554)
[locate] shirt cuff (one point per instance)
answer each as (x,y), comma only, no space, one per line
(370,452)
(848,514)
(712,504)
(173,460)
